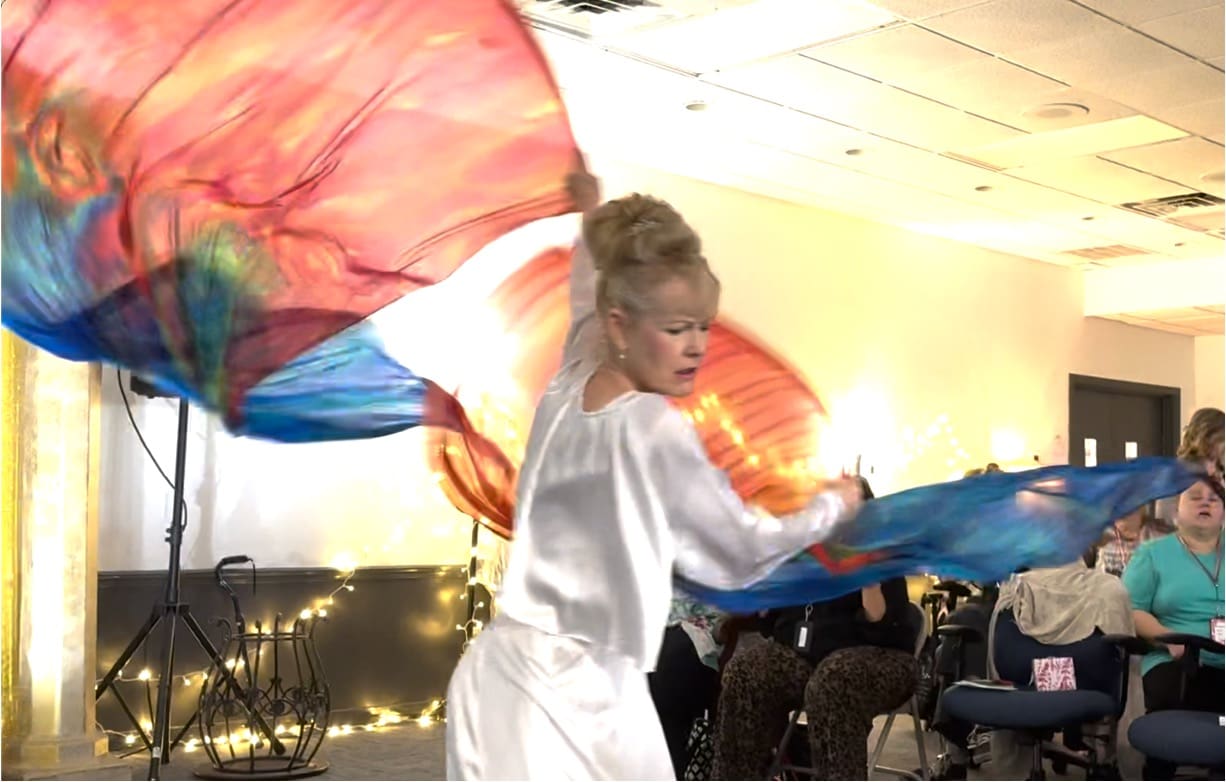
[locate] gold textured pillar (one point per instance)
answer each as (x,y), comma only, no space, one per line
(50,504)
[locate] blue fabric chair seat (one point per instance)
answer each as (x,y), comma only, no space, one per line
(1027,709)
(1187,738)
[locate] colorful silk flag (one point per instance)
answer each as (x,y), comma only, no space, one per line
(206,193)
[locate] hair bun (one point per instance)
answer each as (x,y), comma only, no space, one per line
(638,229)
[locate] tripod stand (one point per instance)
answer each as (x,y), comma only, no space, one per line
(171,609)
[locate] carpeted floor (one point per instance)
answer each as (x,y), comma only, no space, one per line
(412,752)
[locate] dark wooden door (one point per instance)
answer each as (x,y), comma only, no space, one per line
(1112,420)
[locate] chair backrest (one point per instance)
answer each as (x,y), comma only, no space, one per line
(917,623)
(1097,664)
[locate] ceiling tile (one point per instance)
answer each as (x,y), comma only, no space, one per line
(1160,325)
(1138,12)
(1184,160)
(1172,314)
(1073,142)
(1112,225)
(1204,118)
(906,164)
(1016,25)
(922,9)
(932,65)
(1197,32)
(784,167)
(1183,244)
(1099,60)
(1038,117)
(1209,324)
(598,106)
(1059,39)
(587,68)
(1209,328)
(897,53)
(1130,260)
(781,126)
(995,89)
(1097,179)
(719,39)
(1019,237)
(769,124)
(847,191)
(1187,317)
(847,98)
(1185,83)
(1017,196)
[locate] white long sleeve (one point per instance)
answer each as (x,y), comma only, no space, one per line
(611,502)
(583,338)
(720,541)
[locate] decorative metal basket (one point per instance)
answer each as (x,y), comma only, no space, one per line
(266,713)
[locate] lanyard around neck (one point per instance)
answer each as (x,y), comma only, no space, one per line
(1217,560)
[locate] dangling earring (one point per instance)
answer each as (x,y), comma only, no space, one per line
(621,355)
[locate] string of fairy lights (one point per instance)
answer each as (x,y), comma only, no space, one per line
(708,411)
(428,712)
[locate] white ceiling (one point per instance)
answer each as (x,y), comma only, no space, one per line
(1017,125)
(1192,321)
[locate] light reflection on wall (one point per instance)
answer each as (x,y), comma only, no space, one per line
(935,446)
(377,500)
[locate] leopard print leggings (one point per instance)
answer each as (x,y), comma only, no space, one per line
(841,697)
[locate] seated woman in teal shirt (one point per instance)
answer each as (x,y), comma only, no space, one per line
(1175,583)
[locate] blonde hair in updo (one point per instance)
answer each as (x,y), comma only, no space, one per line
(1203,434)
(637,243)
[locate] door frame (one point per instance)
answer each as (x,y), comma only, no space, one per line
(1168,396)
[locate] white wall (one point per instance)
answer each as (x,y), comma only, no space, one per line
(907,338)
(1210,353)
(909,327)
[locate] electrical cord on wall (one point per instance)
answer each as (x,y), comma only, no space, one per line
(132,420)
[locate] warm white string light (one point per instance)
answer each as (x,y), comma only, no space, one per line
(383,716)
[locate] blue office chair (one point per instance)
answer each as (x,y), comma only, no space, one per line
(1185,738)
(1101,666)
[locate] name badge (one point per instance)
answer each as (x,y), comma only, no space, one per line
(1217,629)
(1054,674)
(803,639)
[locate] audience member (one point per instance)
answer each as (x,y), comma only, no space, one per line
(1203,441)
(1056,606)
(685,683)
(844,661)
(1175,583)
(1124,536)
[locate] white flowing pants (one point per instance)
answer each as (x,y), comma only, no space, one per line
(526,705)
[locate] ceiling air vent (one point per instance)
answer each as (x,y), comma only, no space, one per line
(1107,251)
(1174,206)
(597,18)
(595,6)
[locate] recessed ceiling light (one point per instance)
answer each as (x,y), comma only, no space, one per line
(1213,176)
(1057,111)
(983,188)
(853,152)
(696,105)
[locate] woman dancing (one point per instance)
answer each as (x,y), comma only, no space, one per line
(616,493)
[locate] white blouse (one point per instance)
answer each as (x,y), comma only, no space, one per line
(611,502)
